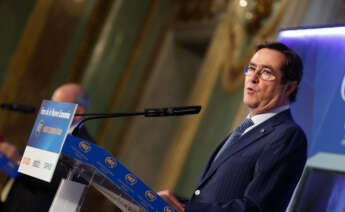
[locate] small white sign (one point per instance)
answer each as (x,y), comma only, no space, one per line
(46,140)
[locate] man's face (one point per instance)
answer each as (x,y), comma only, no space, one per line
(68,95)
(262,95)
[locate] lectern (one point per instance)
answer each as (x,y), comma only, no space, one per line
(87,164)
(91,165)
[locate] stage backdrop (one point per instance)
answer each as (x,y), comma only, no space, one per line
(320,106)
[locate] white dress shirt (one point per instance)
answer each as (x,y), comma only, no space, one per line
(259,118)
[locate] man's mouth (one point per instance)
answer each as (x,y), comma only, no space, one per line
(250,90)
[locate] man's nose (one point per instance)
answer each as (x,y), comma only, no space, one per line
(255,76)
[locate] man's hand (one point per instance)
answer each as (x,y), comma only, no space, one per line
(10,151)
(171,199)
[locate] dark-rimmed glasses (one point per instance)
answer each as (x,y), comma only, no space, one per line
(265,73)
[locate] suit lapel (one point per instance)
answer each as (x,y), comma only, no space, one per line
(247,139)
(211,158)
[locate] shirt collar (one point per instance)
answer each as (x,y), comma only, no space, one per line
(259,118)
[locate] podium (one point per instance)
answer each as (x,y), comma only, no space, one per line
(87,164)
(90,165)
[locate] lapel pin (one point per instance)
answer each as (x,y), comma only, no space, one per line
(262,130)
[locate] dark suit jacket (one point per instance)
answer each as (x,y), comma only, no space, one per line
(29,194)
(257,173)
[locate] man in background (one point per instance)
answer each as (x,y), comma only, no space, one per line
(257,167)
(31,194)
(74,93)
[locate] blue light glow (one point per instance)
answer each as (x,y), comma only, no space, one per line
(325,32)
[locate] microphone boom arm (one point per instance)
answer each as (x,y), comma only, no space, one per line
(153,112)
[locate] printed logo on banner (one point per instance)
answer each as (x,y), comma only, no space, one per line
(342,90)
(150,196)
(47,129)
(47,166)
(52,130)
(26,161)
(110,162)
(36,163)
(84,146)
(39,128)
(168,209)
(131,179)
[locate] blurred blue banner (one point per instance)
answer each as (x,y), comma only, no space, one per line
(320,106)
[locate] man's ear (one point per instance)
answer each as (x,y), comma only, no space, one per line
(290,87)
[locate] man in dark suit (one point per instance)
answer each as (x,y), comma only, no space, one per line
(258,166)
(30,194)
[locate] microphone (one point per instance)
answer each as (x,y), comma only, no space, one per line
(172,111)
(153,112)
(18,107)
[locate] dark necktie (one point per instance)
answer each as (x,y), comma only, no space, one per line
(235,135)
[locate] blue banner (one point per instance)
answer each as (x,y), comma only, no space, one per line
(118,174)
(8,166)
(51,126)
(320,105)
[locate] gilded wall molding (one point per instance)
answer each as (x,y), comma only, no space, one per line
(200,95)
(22,57)
(120,89)
(261,23)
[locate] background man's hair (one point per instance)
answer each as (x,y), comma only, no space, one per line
(292,68)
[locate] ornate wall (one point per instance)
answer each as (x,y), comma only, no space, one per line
(131,55)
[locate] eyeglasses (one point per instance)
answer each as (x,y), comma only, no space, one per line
(265,73)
